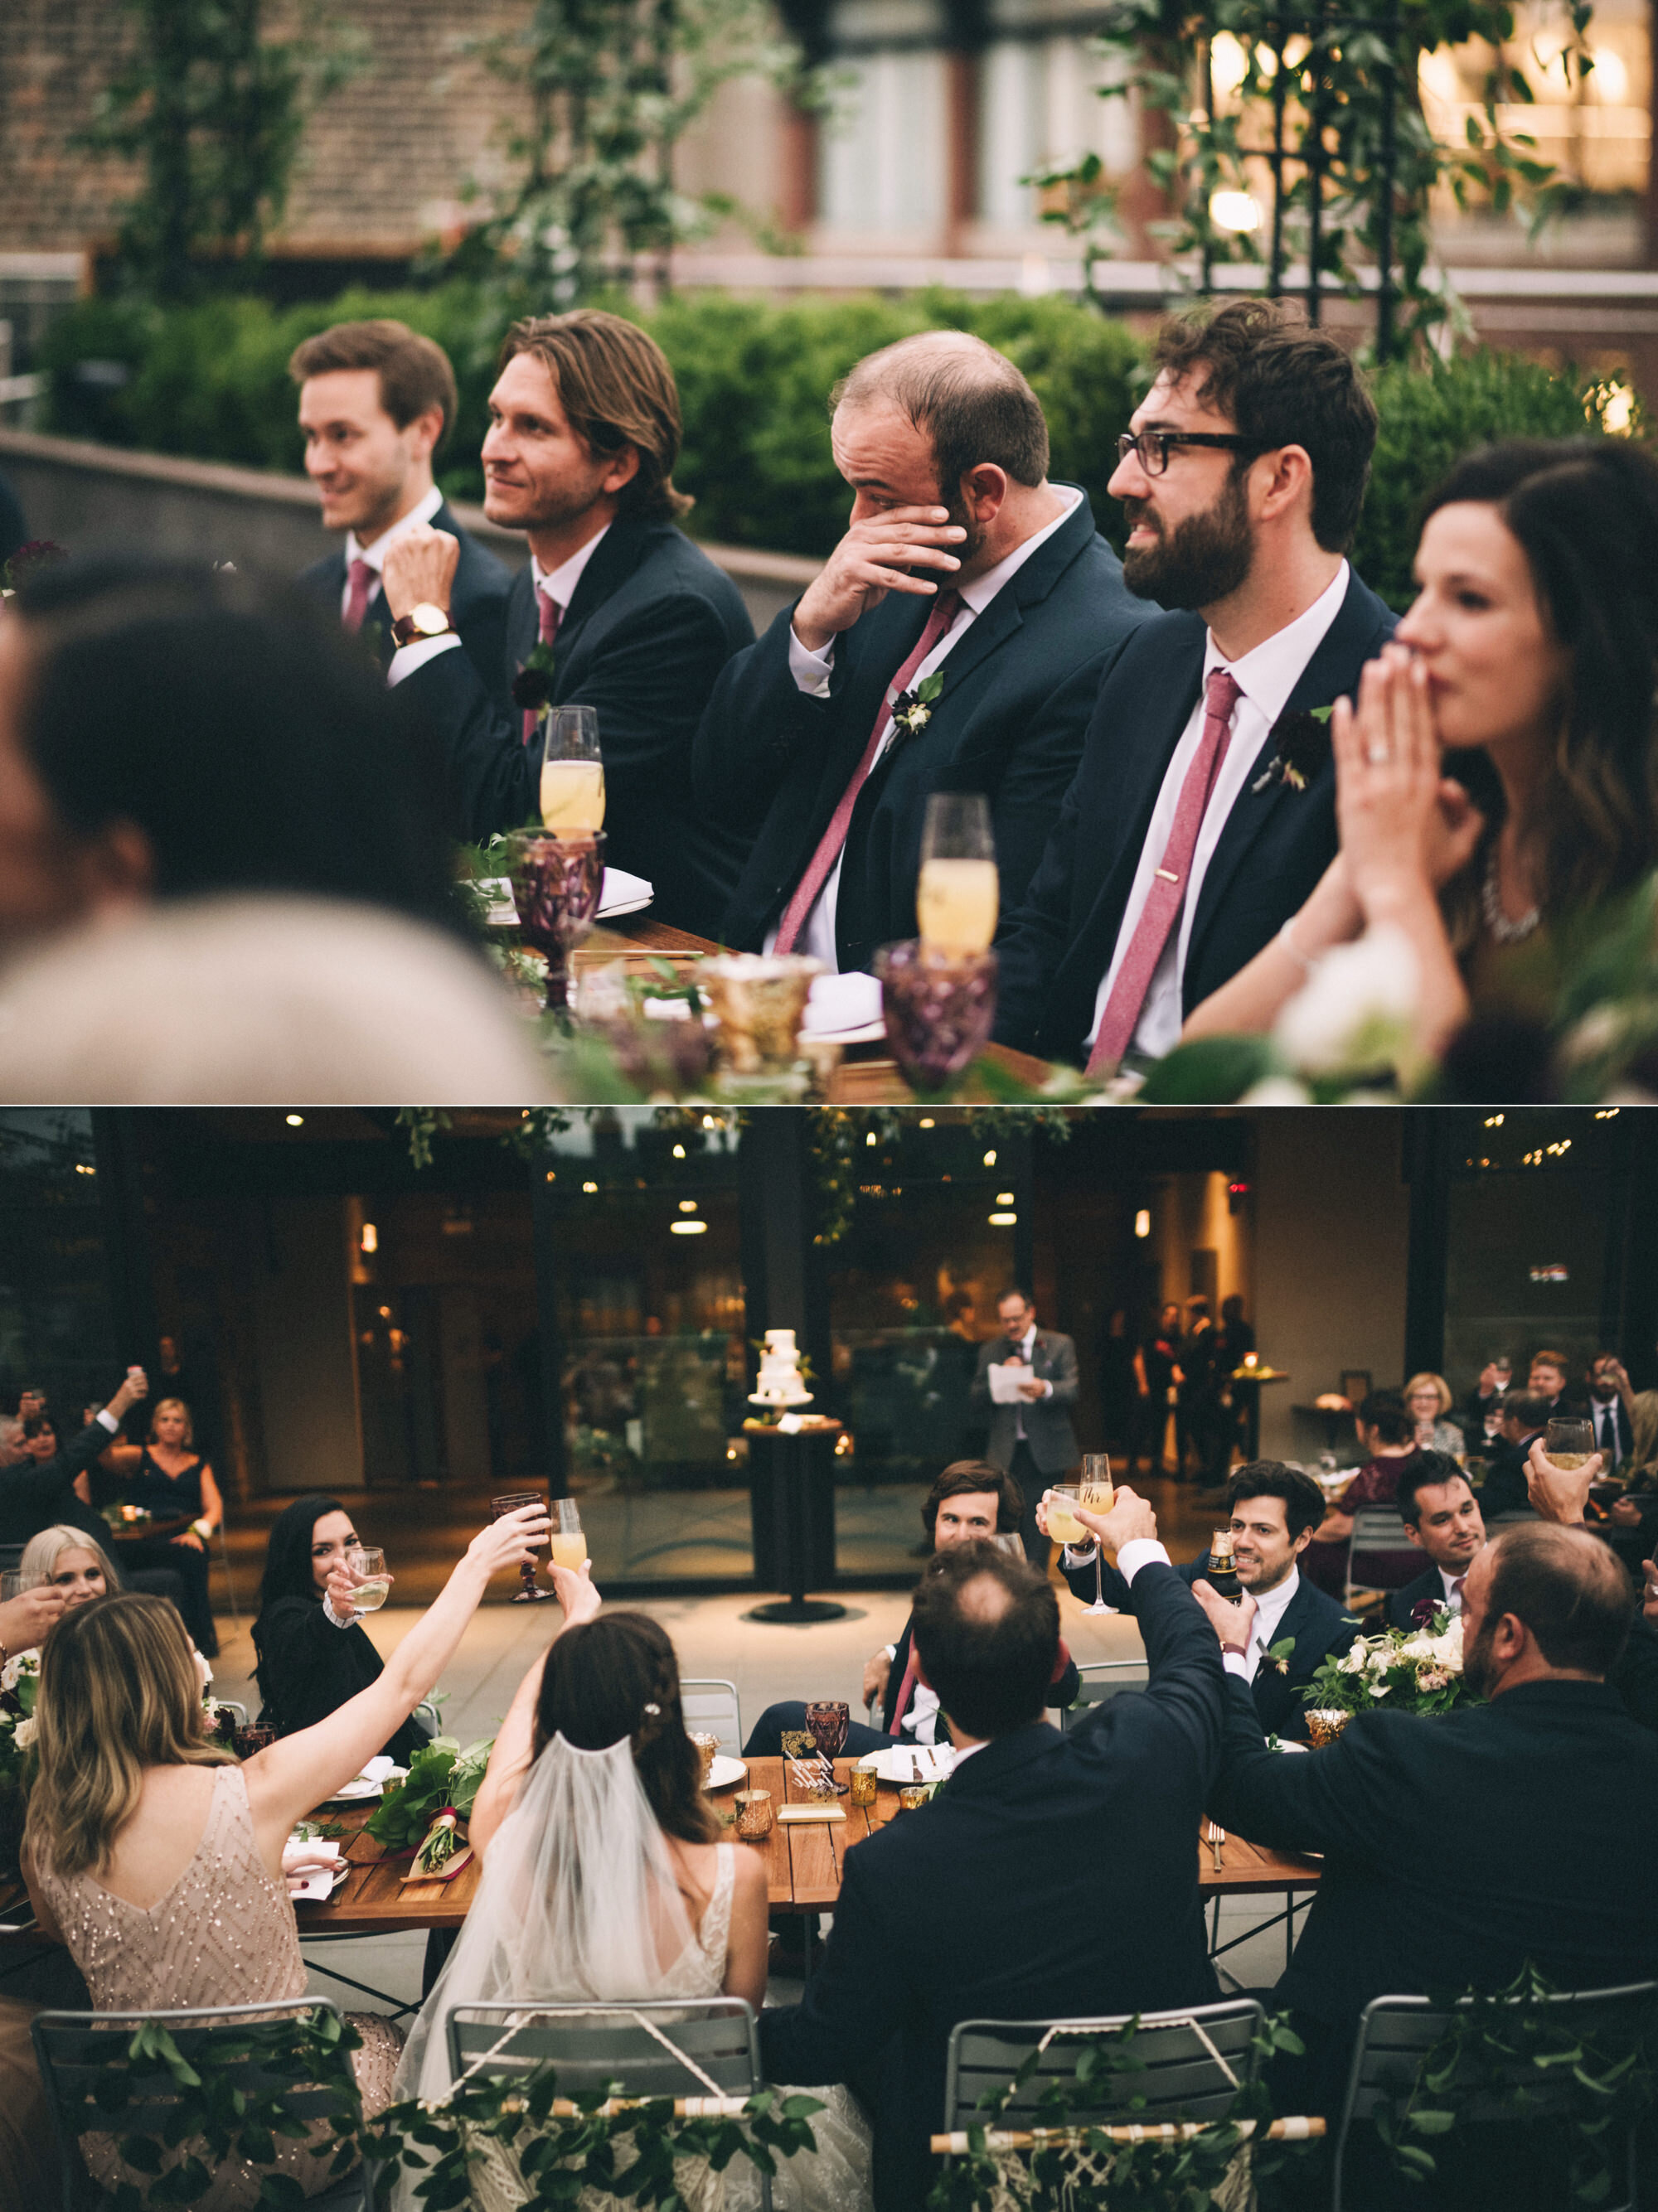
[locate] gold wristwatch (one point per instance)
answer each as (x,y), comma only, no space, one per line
(421,623)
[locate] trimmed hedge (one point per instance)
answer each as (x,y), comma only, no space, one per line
(211,381)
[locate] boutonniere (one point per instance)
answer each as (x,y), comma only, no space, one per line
(1281,1654)
(1300,745)
(532,688)
(913,710)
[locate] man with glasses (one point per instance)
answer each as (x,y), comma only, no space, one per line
(1202,813)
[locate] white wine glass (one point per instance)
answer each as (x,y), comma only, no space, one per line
(572,772)
(567,1545)
(373,1583)
(1098,1493)
(1569,1443)
(958,894)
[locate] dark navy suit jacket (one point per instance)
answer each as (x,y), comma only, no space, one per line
(1056,948)
(969,1908)
(1007,723)
(478,602)
(650,627)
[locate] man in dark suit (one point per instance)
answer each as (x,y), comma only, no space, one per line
(970,1503)
(1030,1438)
(1202,815)
(618,610)
(376,400)
(1271,1511)
(1448,1840)
(1610,1399)
(1441,1517)
(1002,1851)
(1524,1418)
(934,654)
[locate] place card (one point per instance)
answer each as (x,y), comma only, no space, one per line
(811,1812)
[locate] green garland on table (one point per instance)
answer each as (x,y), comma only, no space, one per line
(442,1778)
(558,2157)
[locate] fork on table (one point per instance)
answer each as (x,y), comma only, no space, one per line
(1215,1836)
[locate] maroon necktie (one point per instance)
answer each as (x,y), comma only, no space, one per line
(1169,885)
(819,869)
(552,615)
(1456,1590)
(360,581)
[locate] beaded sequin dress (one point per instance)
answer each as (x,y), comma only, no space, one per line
(224,1933)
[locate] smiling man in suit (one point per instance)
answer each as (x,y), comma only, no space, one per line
(376,400)
(1203,812)
(1031,1439)
(934,653)
(1272,1511)
(584,431)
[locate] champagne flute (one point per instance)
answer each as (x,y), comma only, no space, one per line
(567,1546)
(1097,1494)
(373,1583)
(959,891)
(514,1502)
(1569,1443)
(572,772)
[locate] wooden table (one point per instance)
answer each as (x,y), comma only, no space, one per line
(136,1532)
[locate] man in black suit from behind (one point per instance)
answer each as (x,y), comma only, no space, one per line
(968,575)
(584,431)
(1006,1849)
(1442,1518)
(1524,1418)
(376,401)
(1453,1844)
(1271,1511)
(1203,814)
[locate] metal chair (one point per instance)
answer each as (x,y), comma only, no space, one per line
(234,1707)
(635,2047)
(713,1707)
(427,1715)
(1375,1528)
(1099,1680)
(1192,2063)
(75,2051)
(1395,2033)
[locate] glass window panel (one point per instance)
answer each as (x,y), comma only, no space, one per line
(57,1332)
(882,150)
(1526,1268)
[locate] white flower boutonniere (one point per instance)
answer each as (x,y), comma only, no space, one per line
(913,710)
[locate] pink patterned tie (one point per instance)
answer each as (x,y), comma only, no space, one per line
(946,607)
(552,615)
(906,1689)
(360,581)
(1456,1590)
(1169,885)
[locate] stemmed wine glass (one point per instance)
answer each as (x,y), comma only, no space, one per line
(514,1502)
(1095,1492)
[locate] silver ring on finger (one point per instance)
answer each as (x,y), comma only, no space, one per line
(1376,753)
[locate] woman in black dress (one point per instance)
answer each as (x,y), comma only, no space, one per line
(308,1665)
(170,1477)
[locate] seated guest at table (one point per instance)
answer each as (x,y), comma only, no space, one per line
(963,567)
(376,402)
(1449,1840)
(287,896)
(1486,1397)
(1524,1418)
(636,621)
(1560,1494)
(167,1478)
(1184,844)
(314,1654)
(1388,1434)
(158,1859)
(970,1503)
(77,1565)
(41,1441)
(999,1851)
(1549,1379)
(35,1496)
(1441,1517)
(1272,1511)
(1428,1400)
(1609,1409)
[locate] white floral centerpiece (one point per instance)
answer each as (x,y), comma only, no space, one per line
(1410,1670)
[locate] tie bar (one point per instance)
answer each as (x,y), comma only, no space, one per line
(1168,875)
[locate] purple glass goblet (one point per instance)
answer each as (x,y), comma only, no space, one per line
(556,885)
(938,1010)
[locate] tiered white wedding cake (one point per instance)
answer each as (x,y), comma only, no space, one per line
(780,1381)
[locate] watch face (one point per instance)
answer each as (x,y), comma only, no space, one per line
(430,620)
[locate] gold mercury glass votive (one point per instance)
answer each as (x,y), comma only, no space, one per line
(754,1814)
(706,1748)
(914,1796)
(865,1784)
(1325,1723)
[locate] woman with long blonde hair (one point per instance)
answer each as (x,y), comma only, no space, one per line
(158,1859)
(71,1561)
(169,1477)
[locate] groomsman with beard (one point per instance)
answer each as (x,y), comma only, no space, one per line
(952,643)
(376,400)
(1203,814)
(637,622)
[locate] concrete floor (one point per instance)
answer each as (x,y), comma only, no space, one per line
(713,1639)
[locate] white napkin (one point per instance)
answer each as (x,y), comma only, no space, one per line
(619,887)
(842,1002)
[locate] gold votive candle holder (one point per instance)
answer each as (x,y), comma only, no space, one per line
(865,1784)
(754,1814)
(914,1796)
(706,1748)
(1324,1723)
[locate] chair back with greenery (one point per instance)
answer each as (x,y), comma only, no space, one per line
(154,2106)
(662,2050)
(1530,2096)
(1098,1682)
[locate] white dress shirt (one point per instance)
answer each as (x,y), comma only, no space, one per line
(557,583)
(811,672)
(1269,1609)
(1266,675)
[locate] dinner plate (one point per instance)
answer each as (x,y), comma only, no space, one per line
(921,1762)
(864,1033)
(725,1773)
(622,893)
(357,1792)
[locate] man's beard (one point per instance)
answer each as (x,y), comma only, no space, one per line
(1478,1672)
(1202,561)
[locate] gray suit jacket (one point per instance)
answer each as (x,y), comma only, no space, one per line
(1047,1420)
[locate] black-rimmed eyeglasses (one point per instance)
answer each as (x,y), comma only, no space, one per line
(1154,446)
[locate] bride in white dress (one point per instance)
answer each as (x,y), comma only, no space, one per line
(603,1881)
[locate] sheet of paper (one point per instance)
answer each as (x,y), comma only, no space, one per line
(1005,1384)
